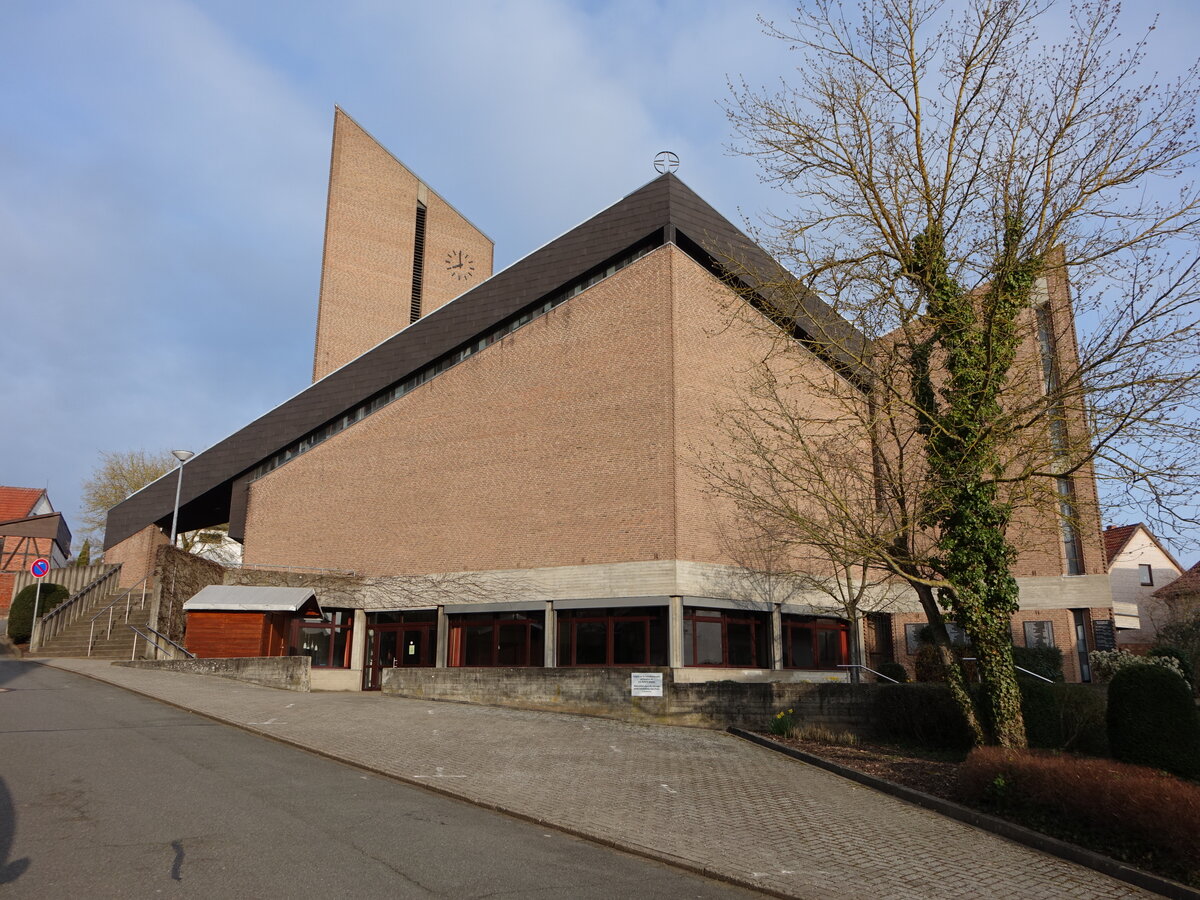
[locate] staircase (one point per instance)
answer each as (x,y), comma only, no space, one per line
(72,640)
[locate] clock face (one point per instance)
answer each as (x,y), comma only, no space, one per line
(460,265)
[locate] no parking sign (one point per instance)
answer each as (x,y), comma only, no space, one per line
(39,567)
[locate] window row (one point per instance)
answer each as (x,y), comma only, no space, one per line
(635,636)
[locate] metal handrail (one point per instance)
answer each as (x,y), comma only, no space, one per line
(869,669)
(69,611)
(149,640)
(127,597)
(1018,668)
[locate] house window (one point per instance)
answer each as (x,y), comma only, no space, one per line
(612,637)
(1072,548)
(1146,575)
(499,639)
(1039,634)
(915,634)
(727,638)
(814,643)
(324,638)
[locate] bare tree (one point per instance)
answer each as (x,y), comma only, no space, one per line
(951,175)
(793,543)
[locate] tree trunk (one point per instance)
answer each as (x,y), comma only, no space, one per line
(955,678)
(1001,697)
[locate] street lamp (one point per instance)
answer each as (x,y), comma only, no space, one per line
(183,456)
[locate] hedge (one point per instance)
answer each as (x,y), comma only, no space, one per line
(20,614)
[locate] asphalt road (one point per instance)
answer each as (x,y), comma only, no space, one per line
(107,794)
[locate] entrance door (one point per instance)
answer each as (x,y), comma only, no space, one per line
(414,647)
(382,647)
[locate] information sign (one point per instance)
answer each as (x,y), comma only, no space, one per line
(646,684)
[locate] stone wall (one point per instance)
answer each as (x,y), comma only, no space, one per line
(606,692)
(289,673)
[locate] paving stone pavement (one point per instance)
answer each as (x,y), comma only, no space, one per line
(702,798)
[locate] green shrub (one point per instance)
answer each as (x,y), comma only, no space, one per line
(1152,720)
(1138,815)
(1044,661)
(1183,634)
(894,670)
(922,714)
(20,614)
(1064,716)
(1175,653)
(1107,663)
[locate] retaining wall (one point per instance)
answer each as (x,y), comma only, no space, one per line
(289,673)
(606,692)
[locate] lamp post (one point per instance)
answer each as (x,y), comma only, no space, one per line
(183,456)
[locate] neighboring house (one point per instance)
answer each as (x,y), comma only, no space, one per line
(1138,565)
(531,435)
(29,528)
(1182,596)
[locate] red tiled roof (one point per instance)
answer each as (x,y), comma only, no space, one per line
(1115,538)
(1187,583)
(18,502)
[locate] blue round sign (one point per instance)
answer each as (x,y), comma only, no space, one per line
(40,567)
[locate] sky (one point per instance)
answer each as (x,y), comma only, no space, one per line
(164,169)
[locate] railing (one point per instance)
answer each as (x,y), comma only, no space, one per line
(173,647)
(73,608)
(127,596)
(869,669)
(1018,668)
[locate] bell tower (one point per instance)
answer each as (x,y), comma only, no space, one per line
(394,249)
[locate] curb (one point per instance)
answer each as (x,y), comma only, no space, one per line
(1021,835)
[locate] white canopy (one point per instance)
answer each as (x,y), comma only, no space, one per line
(243,598)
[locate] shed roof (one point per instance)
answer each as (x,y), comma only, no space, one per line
(245,598)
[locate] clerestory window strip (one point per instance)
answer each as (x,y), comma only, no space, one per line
(453,358)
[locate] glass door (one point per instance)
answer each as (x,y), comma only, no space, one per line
(382,647)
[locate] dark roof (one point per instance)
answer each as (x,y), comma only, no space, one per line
(664,210)
(46,525)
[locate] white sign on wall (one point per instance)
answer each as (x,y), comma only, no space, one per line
(645,684)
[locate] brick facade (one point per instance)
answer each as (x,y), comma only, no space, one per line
(136,555)
(367,274)
(551,447)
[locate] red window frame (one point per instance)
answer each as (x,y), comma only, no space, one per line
(570,623)
(815,624)
(756,621)
(335,621)
(456,627)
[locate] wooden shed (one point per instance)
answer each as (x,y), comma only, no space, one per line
(225,621)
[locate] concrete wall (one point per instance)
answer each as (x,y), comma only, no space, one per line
(73,578)
(606,692)
(289,673)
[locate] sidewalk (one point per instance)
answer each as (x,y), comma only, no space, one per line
(701,799)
